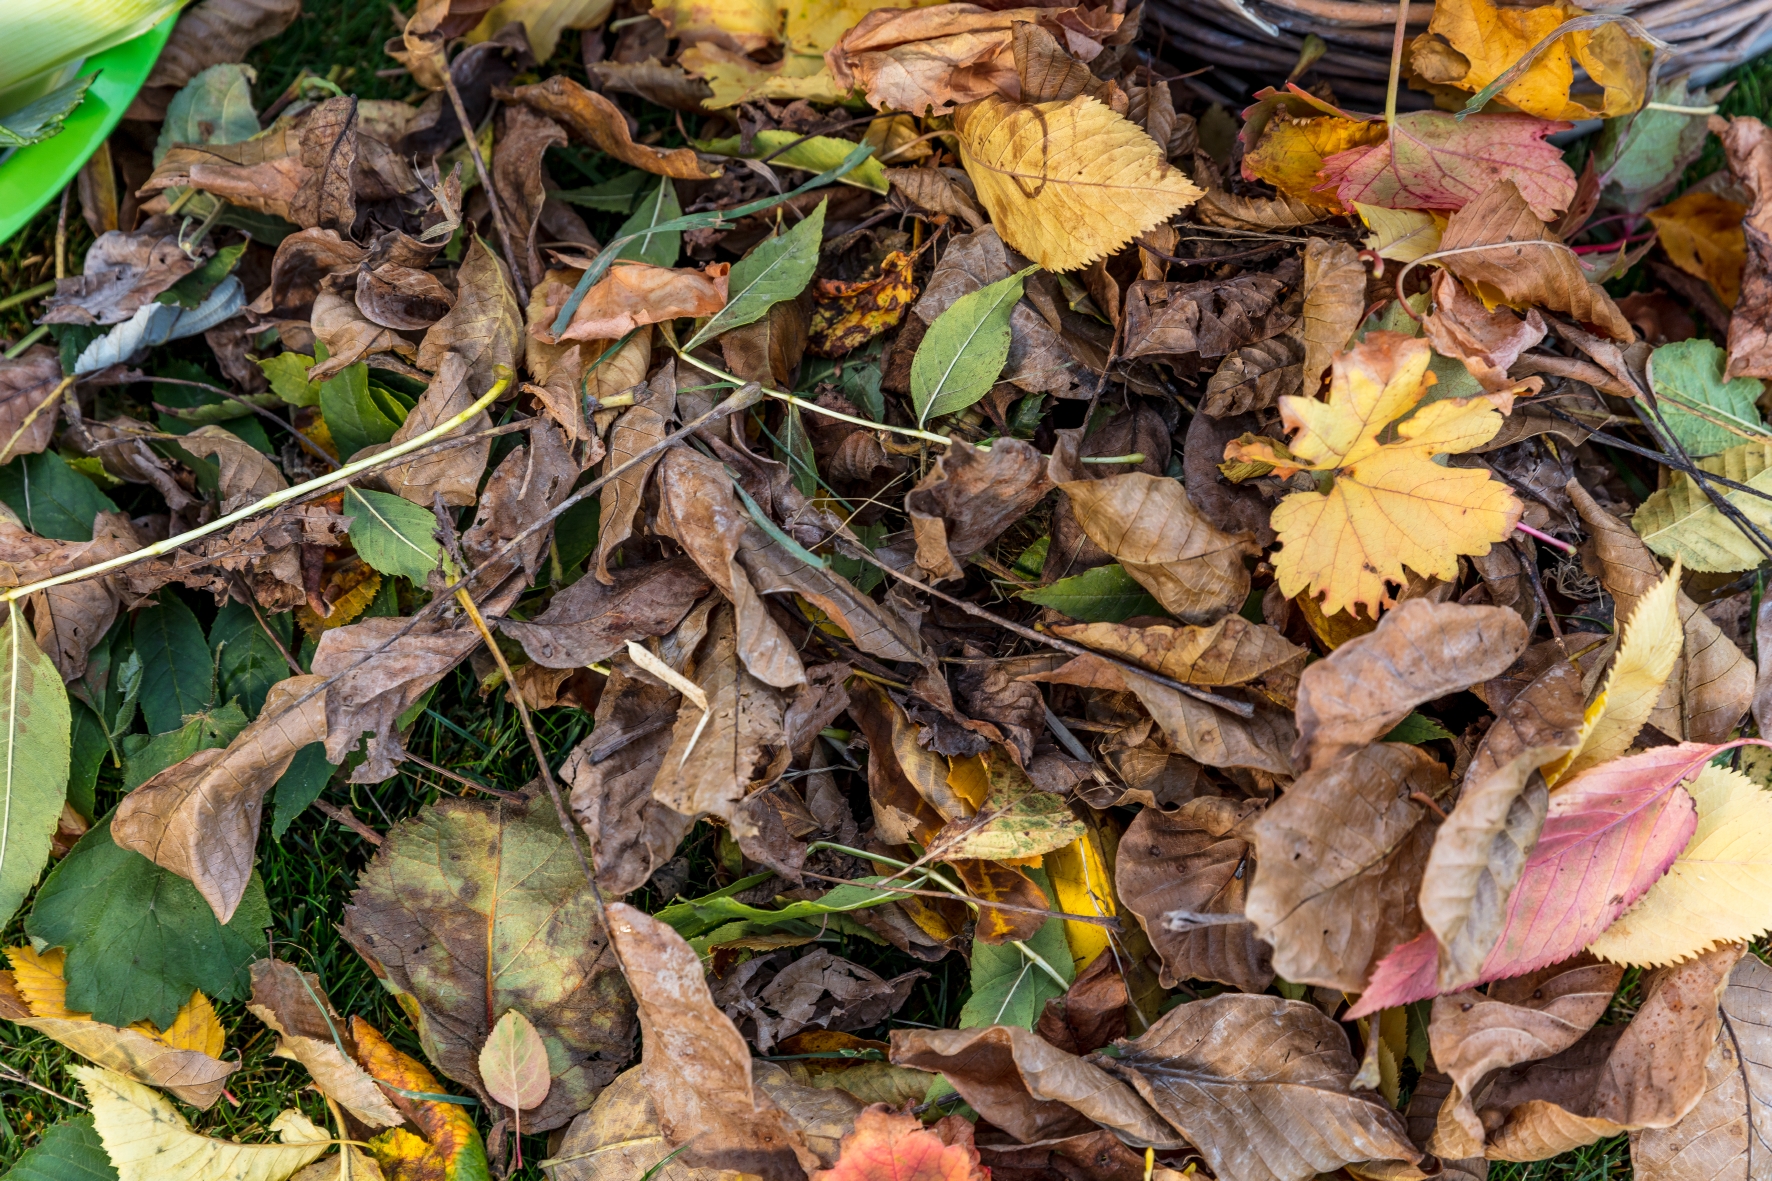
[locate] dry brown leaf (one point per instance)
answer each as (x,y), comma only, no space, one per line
(638,428)
(1254,377)
(1212,318)
(633,294)
(969,497)
(773,997)
(371,696)
(1028,1087)
(1334,303)
(1723,1138)
(1648,1074)
(1263,1087)
(208,34)
(199,818)
(1341,855)
(1183,873)
(1481,849)
(588,622)
(1232,651)
(294,1005)
(26,383)
(1487,341)
(122,274)
(1219,208)
(1749,148)
(1148,524)
(527,484)
(939,191)
(590,118)
(694,1064)
(247,474)
(1492,231)
(350,336)
(521,177)
(1713,683)
(1520,1020)
(1422,650)
(68,619)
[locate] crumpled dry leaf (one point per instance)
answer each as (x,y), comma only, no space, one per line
(588,622)
(371,696)
(1263,1088)
(1487,341)
(969,497)
(1480,850)
(294,1005)
(1184,874)
(1211,318)
(1232,651)
(123,273)
(695,1066)
(1038,360)
(591,118)
(1028,1087)
(199,818)
(247,474)
(208,34)
(528,483)
(773,1000)
(633,294)
(1341,856)
(641,426)
(1648,1074)
(1749,148)
(68,619)
(1334,303)
(1148,524)
(27,382)
(473,908)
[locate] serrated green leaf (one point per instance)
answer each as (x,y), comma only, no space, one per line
(69,1151)
(37,121)
(1105,594)
(352,414)
(194,288)
(145,758)
(816,154)
(1690,373)
(89,747)
(52,499)
(1008,988)
(1643,154)
(1416,728)
(178,677)
(300,786)
(662,248)
(1679,521)
(392,534)
(964,350)
(288,375)
(776,269)
(247,662)
(139,938)
(36,728)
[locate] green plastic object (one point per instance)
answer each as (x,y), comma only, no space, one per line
(33,176)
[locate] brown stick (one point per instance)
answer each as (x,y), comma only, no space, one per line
(349,819)
(498,215)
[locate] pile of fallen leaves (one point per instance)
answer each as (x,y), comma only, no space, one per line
(1253,593)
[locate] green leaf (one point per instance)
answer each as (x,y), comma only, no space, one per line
(776,269)
(964,350)
(860,383)
(612,196)
(1017,820)
(1105,594)
(300,786)
(794,448)
(146,757)
(215,107)
(816,154)
(698,916)
(69,1151)
(189,407)
(1679,521)
(1416,728)
(1008,988)
(1033,560)
(1690,373)
(194,288)
(37,121)
(355,419)
(575,533)
(392,534)
(52,499)
(246,660)
(288,375)
(1644,154)
(177,676)
(139,938)
(35,734)
(88,749)
(660,249)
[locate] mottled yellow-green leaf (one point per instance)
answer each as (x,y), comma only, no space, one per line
(1679,521)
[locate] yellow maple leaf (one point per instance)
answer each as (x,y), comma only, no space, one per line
(1703,236)
(1067,182)
(1484,40)
(1718,891)
(1647,653)
(1384,505)
(1290,153)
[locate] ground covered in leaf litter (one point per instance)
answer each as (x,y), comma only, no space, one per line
(478,736)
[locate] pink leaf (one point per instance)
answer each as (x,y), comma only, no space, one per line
(1433,161)
(1611,833)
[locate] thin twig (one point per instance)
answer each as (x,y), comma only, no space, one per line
(307,444)
(264,625)
(349,819)
(1092,920)
(498,215)
(501,793)
(17,1077)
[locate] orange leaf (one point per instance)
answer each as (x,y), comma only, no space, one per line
(886,1146)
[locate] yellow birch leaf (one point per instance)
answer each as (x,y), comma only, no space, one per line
(1291,151)
(38,978)
(1401,235)
(543,21)
(1703,236)
(148,1140)
(1647,653)
(970,779)
(1067,182)
(1386,506)
(1491,38)
(742,25)
(1081,884)
(196,1027)
(735,78)
(813,26)
(1718,891)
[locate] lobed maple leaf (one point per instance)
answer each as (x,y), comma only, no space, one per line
(1385,505)
(1432,160)
(887,1146)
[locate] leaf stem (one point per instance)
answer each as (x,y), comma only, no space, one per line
(1390,94)
(275,499)
(814,407)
